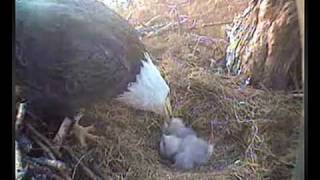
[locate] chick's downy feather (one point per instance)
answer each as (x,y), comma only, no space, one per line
(178,128)
(193,151)
(181,145)
(169,146)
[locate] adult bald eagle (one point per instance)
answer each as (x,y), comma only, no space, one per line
(73,53)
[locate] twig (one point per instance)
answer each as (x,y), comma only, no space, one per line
(151,20)
(62,132)
(20,117)
(56,164)
(44,139)
(193,25)
(211,133)
(195,47)
(215,24)
(167,26)
(19,169)
(76,166)
(179,24)
(297,95)
(44,147)
(84,167)
(129,16)
(47,169)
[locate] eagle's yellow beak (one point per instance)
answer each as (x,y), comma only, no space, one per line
(168,108)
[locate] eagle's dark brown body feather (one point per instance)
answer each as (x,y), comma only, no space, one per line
(70,53)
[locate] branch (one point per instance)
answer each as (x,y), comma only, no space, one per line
(297,95)
(44,139)
(151,20)
(20,171)
(44,147)
(62,132)
(215,24)
(87,170)
(20,117)
(56,164)
(76,166)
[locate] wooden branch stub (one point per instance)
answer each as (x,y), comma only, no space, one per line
(56,164)
(44,147)
(49,164)
(20,170)
(62,132)
(20,116)
(44,139)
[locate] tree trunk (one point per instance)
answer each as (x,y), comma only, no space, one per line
(265,45)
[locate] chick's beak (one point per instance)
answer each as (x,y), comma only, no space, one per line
(168,108)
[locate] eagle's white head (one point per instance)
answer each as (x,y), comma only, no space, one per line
(149,92)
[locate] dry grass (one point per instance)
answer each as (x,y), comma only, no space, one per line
(255,130)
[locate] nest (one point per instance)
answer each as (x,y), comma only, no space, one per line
(255,130)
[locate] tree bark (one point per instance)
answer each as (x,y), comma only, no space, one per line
(265,45)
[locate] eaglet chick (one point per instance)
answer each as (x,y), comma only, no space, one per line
(181,145)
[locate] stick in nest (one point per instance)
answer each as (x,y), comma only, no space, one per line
(44,147)
(44,139)
(215,24)
(62,132)
(19,166)
(20,117)
(76,166)
(56,164)
(87,170)
(151,20)
(49,164)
